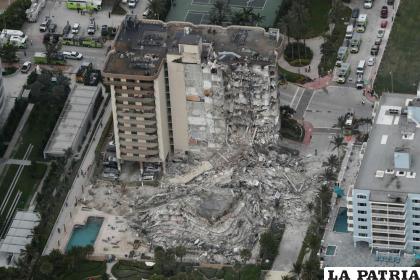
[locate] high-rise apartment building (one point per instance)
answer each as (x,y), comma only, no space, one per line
(384,205)
(177,87)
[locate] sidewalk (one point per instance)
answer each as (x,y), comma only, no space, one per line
(319,83)
(315,45)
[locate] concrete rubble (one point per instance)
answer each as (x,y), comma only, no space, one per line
(221,210)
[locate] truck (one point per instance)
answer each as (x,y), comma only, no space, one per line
(361,23)
(84,5)
(34,10)
(368,4)
(41,58)
(343,73)
(82,41)
(14,37)
(342,55)
(355,43)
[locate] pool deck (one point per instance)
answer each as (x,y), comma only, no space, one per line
(114,237)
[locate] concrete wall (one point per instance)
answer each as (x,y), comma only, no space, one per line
(178,103)
(115,123)
(162,115)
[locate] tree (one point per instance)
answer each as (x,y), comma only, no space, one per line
(220,12)
(246,16)
(341,122)
(332,161)
(245,255)
(297,269)
(46,268)
(8,53)
(329,174)
(287,112)
(338,143)
(311,269)
(156,8)
(51,50)
(180,252)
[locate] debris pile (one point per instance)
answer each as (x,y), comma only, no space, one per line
(222,210)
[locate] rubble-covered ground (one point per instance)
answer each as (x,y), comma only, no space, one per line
(222,210)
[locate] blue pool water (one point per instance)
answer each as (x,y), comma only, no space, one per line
(86,234)
(330,250)
(341,221)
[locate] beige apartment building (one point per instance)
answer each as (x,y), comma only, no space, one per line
(177,87)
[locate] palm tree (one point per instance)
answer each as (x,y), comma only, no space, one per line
(341,122)
(180,252)
(297,269)
(329,174)
(338,143)
(219,13)
(332,161)
(156,8)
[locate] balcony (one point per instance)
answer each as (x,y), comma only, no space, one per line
(138,136)
(387,208)
(138,107)
(388,246)
(386,230)
(141,91)
(140,144)
(141,152)
(388,216)
(131,121)
(143,100)
(147,115)
(135,129)
(386,223)
(140,158)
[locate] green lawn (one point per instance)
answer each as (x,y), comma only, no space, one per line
(85,270)
(318,17)
(402,53)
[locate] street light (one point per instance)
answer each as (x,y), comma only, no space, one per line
(392,82)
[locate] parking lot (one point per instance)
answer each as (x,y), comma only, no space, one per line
(368,39)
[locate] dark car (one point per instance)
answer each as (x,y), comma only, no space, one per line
(52,27)
(390,2)
(374,50)
(104,30)
(355,13)
(66,29)
(378,41)
(384,12)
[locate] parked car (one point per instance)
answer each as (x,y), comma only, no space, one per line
(91,29)
(132,4)
(26,67)
(52,27)
(146,13)
(384,24)
(75,29)
(110,164)
(378,41)
(44,25)
(384,12)
(371,61)
(355,13)
(381,33)
(374,50)
(73,55)
(104,30)
(359,81)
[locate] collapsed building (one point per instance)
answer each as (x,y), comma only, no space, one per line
(207,98)
(178,87)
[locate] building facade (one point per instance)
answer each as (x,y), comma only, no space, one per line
(384,205)
(177,87)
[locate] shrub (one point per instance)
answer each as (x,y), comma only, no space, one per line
(298,51)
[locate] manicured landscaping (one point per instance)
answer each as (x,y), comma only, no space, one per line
(287,76)
(86,270)
(297,54)
(318,17)
(399,66)
(12,123)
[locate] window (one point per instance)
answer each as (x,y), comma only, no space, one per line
(416,216)
(416,200)
(362,212)
(416,238)
(416,208)
(363,227)
(361,196)
(363,234)
(416,247)
(416,224)
(362,220)
(416,231)
(361,204)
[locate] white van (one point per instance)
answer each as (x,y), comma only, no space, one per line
(361,67)
(349,31)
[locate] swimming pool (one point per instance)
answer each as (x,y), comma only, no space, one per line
(341,221)
(84,235)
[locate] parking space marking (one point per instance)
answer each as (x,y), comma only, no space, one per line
(300,97)
(294,96)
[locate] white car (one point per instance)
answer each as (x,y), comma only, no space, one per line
(381,33)
(146,12)
(75,29)
(371,61)
(132,4)
(26,67)
(73,55)
(91,29)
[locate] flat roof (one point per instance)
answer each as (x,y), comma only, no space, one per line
(141,45)
(72,118)
(378,172)
(20,232)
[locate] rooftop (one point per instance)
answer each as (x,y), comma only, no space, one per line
(72,119)
(391,161)
(141,45)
